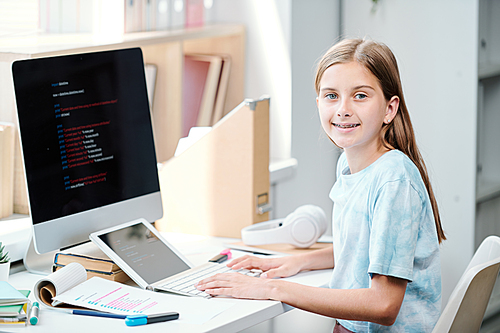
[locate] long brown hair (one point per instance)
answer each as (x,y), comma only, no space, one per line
(398,134)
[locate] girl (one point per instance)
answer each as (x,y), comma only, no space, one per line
(386,225)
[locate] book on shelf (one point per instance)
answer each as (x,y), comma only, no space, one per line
(220,99)
(205,81)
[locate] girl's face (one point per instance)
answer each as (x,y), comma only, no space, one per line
(352,108)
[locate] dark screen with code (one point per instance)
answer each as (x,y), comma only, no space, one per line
(85,130)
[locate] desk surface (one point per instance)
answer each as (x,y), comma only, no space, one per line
(198,249)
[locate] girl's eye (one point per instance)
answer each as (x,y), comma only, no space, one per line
(331,96)
(360,96)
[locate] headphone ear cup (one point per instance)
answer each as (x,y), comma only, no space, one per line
(318,215)
(301,228)
(308,223)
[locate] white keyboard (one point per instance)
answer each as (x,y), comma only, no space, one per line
(183,283)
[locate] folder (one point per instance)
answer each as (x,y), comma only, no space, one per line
(220,184)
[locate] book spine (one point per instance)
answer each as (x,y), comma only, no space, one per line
(87,262)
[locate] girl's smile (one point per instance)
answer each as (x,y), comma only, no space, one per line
(345,126)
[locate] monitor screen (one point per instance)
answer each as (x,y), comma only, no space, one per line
(87,144)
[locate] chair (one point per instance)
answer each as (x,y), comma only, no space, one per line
(465,309)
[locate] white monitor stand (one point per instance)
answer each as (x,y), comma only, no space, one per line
(38,263)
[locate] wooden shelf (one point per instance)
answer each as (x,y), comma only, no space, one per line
(42,45)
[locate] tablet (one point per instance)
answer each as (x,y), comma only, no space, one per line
(141,252)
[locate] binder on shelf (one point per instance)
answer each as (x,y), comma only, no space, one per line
(195,13)
(148,15)
(132,20)
(162,15)
(220,184)
(177,13)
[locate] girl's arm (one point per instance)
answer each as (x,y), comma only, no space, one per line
(379,304)
(286,266)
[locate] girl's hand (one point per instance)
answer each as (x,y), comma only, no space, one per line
(271,267)
(236,285)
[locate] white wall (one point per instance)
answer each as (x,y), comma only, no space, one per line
(436,46)
(315,27)
(285,38)
(268,70)
(280,63)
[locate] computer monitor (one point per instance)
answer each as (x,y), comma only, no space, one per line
(87,144)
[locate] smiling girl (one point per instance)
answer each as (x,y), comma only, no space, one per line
(386,224)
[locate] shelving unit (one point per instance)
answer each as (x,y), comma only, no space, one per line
(165,49)
(488,133)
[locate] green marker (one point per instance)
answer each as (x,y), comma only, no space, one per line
(34,313)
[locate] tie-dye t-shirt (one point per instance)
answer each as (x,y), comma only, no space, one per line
(383,224)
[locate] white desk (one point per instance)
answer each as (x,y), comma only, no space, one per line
(198,249)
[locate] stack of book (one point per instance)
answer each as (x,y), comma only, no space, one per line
(96,263)
(13,305)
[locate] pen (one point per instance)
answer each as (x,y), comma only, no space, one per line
(97,314)
(136,320)
(35,308)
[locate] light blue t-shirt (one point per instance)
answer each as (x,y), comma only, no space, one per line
(383,224)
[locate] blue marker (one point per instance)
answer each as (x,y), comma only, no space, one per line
(136,320)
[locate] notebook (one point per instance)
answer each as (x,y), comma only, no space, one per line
(10,295)
(15,310)
(153,263)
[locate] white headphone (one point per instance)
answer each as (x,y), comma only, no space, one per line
(302,228)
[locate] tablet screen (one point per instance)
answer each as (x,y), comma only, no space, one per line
(147,255)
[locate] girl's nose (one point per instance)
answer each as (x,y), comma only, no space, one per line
(343,111)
